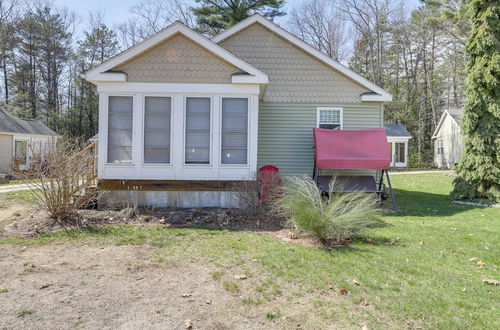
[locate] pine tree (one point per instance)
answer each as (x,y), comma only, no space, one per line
(215,16)
(479,168)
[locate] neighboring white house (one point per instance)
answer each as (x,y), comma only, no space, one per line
(183,118)
(448,139)
(398,138)
(18,138)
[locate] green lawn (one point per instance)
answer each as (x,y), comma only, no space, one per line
(414,273)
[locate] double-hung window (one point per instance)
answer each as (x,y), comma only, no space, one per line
(234,139)
(330,118)
(440,146)
(157,119)
(400,152)
(197,139)
(120,113)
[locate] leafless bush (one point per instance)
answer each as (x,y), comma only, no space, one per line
(58,174)
(258,191)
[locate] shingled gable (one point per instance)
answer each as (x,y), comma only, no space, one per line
(107,71)
(377,94)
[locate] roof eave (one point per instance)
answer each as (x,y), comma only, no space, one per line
(384,95)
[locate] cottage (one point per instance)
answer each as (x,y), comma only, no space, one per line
(183,118)
(448,139)
(398,138)
(19,138)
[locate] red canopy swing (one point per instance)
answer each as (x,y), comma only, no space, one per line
(364,149)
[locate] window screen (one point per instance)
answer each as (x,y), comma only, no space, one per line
(120,109)
(197,130)
(440,147)
(234,130)
(400,152)
(329,118)
(21,152)
(157,111)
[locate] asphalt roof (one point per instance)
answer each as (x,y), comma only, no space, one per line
(11,124)
(456,113)
(396,130)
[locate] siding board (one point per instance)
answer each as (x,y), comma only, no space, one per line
(5,153)
(286,138)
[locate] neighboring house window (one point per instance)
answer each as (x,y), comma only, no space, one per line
(120,110)
(197,140)
(21,152)
(234,139)
(157,112)
(330,118)
(400,152)
(440,146)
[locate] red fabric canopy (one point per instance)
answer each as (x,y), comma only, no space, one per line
(351,149)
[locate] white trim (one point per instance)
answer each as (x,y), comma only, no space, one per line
(100,73)
(131,88)
(384,95)
(341,110)
(441,121)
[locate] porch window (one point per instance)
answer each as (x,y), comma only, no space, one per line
(157,112)
(440,146)
(21,152)
(120,110)
(234,144)
(330,118)
(400,152)
(197,140)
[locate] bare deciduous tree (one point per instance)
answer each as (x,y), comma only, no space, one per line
(150,16)
(319,23)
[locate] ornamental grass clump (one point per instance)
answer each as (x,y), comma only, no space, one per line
(333,217)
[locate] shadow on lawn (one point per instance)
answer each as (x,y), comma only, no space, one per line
(424,204)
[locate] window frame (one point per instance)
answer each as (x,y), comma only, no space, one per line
(398,153)
(134,111)
(247,164)
(341,110)
(440,146)
(26,142)
(184,119)
(143,138)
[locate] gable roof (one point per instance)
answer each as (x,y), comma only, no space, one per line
(396,130)
(381,95)
(11,124)
(103,72)
(454,113)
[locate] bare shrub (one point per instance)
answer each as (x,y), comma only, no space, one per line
(58,175)
(333,218)
(257,192)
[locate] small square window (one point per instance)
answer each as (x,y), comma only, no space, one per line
(330,118)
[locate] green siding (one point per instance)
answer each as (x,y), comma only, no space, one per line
(285,132)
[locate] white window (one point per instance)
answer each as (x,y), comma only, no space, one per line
(120,110)
(440,146)
(234,146)
(157,113)
(400,152)
(21,151)
(197,139)
(330,118)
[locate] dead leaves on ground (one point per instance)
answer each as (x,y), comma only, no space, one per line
(481,264)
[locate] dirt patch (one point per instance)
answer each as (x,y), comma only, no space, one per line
(233,219)
(106,287)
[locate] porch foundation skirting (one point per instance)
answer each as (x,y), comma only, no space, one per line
(182,199)
(169,193)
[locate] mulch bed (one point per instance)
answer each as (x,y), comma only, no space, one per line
(213,218)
